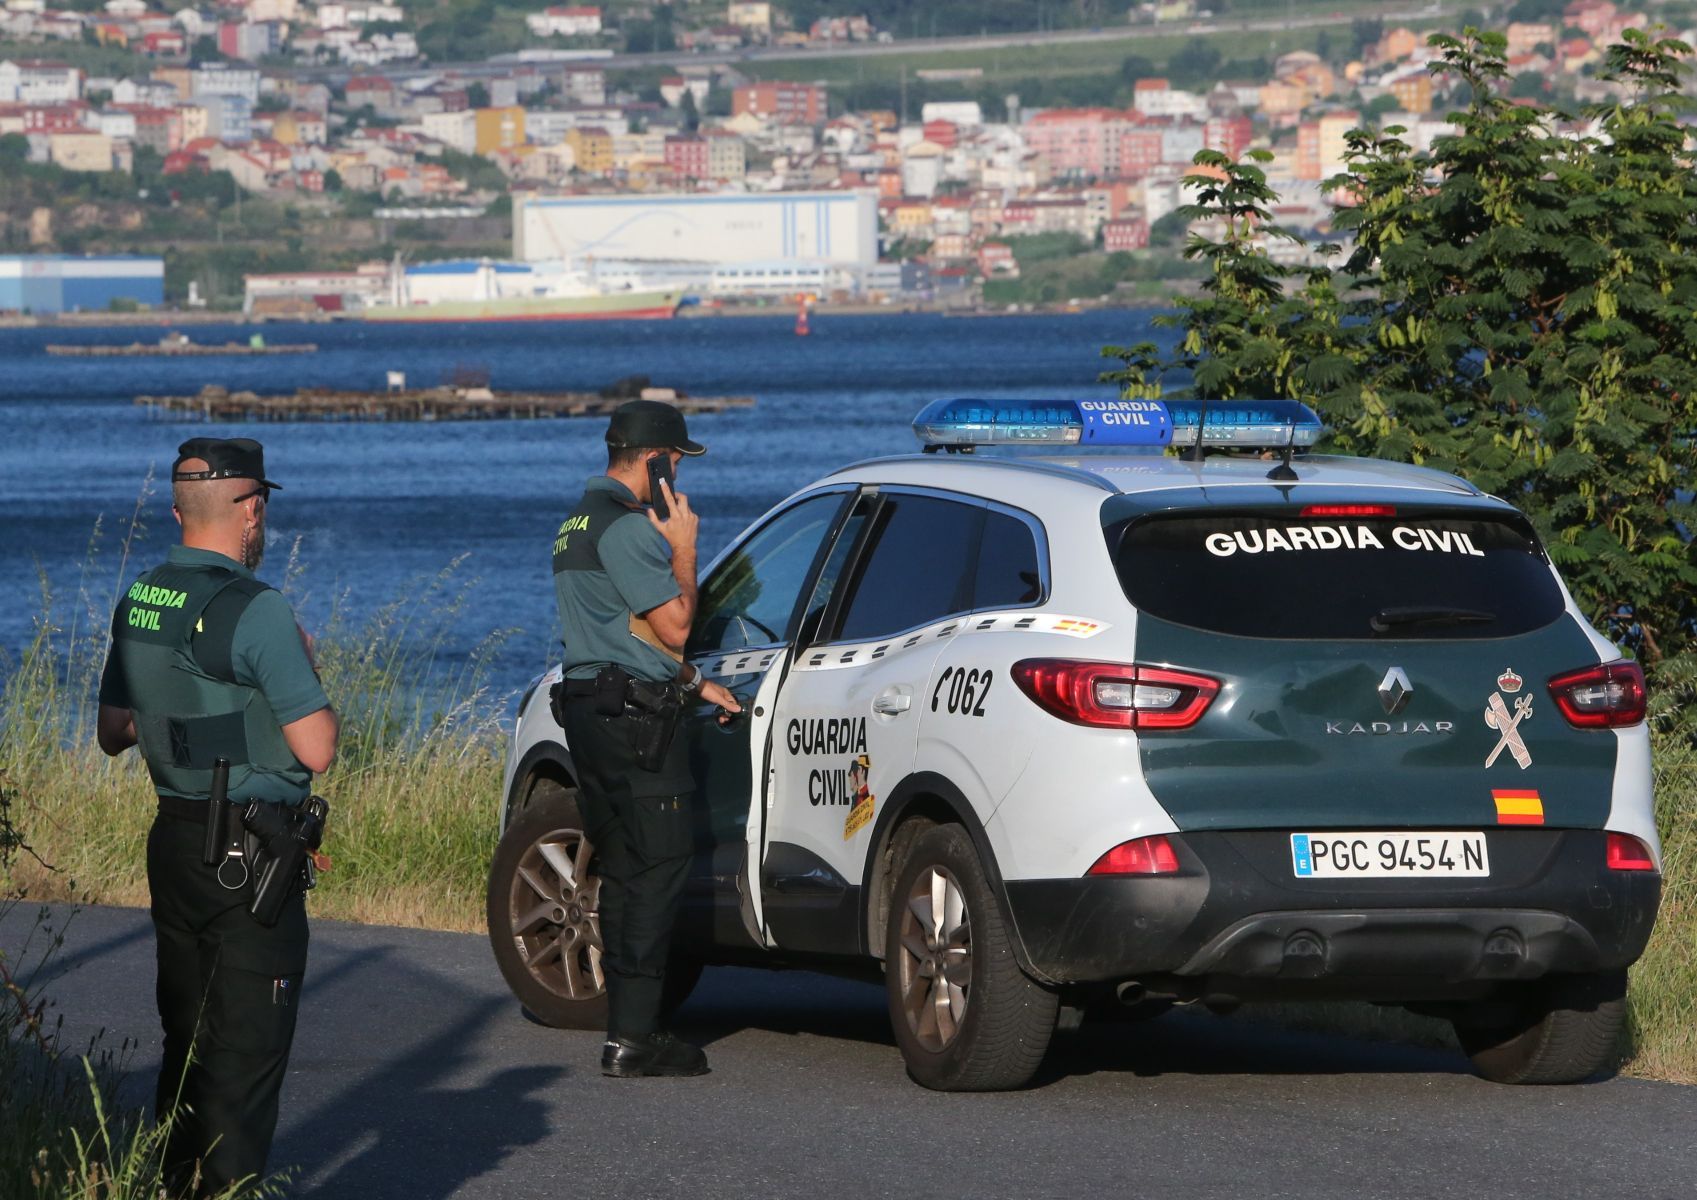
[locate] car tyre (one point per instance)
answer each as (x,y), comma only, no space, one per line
(966,1018)
(1565,1031)
(543,910)
(544,915)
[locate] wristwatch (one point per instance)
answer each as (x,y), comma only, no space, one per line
(694,682)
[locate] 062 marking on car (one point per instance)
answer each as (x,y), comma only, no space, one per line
(962,690)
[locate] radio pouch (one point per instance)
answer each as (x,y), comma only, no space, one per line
(610,685)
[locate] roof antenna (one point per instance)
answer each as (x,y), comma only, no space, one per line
(1284,472)
(1194,454)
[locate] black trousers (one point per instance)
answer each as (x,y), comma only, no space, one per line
(639,824)
(228,991)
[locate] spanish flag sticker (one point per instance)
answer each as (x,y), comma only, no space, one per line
(1518,806)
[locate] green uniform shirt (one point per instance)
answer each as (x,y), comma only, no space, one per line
(596,605)
(267,654)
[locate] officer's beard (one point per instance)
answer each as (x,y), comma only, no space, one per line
(253,544)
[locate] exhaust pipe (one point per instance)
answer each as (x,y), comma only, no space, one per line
(1131,993)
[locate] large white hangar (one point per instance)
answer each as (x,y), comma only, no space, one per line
(830,227)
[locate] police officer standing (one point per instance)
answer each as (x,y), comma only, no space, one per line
(207,663)
(625,582)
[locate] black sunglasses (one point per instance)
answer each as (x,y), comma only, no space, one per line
(263,492)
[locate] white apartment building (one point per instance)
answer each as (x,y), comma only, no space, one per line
(33,82)
(575,20)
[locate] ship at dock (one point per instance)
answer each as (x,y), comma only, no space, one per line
(495,290)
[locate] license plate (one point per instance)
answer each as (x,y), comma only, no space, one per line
(1389,855)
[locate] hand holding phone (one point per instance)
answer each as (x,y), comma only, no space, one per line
(660,468)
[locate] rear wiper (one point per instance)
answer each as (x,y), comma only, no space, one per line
(1387,619)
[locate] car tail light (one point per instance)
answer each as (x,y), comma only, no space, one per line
(1601,697)
(1349,510)
(1627,853)
(1151,855)
(1114,696)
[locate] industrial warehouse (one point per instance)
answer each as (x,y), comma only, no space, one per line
(585,257)
(48,284)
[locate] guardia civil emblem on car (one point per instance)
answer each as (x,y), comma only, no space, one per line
(1047,717)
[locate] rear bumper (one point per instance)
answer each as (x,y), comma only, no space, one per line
(1236,919)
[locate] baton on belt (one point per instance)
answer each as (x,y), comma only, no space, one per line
(218,815)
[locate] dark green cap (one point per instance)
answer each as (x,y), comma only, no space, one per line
(225,458)
(650,425)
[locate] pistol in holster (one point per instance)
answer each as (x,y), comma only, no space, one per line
(654,709)
(650,710)
(283,840)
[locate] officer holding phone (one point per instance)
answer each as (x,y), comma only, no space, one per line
(624,578)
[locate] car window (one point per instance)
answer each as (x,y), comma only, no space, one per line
(1008,570)
(918,566)
(1415,574)
(751,596)
(831,574)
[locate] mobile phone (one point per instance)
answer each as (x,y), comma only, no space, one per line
(659,467)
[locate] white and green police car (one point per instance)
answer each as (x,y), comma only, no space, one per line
(1085,722)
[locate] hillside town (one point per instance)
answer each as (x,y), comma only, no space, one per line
(328,104)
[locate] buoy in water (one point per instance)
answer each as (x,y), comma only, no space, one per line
(801,329)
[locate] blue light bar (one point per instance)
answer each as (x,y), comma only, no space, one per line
(1245,424)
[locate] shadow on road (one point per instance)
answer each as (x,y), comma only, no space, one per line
(407,1130)
(727,1002)
(1201,1044)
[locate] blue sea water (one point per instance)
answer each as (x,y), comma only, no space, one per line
(373,511)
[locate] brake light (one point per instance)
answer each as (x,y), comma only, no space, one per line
(1349,510)
(1627,853)
(1601,697)
(1151,855)
(1113,696)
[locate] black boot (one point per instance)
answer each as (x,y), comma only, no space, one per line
(649,1055)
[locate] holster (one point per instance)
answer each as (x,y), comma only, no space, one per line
(652,709)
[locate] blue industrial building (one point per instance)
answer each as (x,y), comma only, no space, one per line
(58,283)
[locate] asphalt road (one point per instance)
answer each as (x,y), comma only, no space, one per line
(415,1076)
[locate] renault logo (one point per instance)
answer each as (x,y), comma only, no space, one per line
(1394,691)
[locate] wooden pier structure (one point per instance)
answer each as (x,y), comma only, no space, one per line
(180,349)
(215,403)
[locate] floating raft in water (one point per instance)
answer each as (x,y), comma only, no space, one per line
(214,403)
(169,349)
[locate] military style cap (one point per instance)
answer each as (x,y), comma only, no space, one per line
(226,458)
(650,424)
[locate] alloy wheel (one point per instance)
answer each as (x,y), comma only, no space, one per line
(935,967)
(556,915)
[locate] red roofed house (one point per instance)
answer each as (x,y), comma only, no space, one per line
(182,162)
(687,155)
(942,133)
(169,43)
(996,260)
(1125,233)
(375,90)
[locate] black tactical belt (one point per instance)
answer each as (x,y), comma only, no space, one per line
(184,810)
(580,687)
(179,809)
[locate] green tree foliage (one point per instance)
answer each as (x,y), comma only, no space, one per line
(476,170)
(1520,308)
(1194,63)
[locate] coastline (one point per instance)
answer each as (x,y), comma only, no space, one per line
(164,318)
